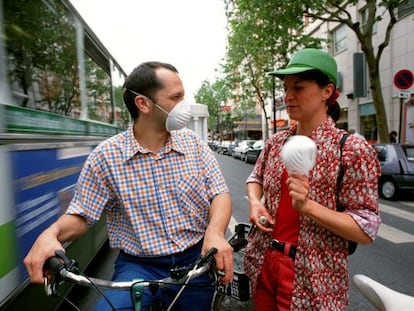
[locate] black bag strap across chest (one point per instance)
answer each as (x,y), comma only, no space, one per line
(341,173)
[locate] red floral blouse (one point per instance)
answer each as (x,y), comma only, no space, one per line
(321,263)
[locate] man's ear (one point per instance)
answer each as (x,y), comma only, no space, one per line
(142,104)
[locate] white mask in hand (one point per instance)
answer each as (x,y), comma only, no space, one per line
(299,154)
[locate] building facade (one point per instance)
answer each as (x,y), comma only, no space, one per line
(358,111)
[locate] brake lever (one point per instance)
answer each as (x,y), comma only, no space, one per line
(70,264)
(208,257)
(54,266)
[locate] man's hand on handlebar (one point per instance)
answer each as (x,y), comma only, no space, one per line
(43,248)
(224,256)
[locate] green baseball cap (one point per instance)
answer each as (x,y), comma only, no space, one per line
(309,59)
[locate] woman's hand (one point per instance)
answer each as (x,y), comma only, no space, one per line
(298,186)
(258,213)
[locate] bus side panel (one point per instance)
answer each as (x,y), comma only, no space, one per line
(43,182)
(43,186)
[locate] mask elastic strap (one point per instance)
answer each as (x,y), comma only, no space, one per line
(156,105)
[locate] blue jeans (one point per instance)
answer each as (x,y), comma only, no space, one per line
(197,296)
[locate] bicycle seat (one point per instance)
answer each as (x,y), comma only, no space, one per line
(381,296)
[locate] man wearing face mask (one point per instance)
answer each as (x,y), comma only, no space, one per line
(162,191)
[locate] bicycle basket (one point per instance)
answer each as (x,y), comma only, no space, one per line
(239,289)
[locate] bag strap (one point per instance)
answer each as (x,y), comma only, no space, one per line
(341,172)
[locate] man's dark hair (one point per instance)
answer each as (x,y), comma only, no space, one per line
(143,80)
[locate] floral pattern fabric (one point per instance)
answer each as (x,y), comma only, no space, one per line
(321,263)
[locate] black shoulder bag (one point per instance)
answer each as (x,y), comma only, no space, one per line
(351,244)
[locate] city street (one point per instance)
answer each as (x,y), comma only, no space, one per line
(388,260)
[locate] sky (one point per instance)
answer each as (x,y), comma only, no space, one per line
(189,34)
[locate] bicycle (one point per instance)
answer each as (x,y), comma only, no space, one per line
(61,269)
(382,297)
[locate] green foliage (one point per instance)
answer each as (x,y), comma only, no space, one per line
(338,11)
(213,95)
(262,36)
(264,33)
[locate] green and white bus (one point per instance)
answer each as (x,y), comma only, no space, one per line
(60,95)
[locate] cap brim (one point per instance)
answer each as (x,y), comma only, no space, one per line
(290,71)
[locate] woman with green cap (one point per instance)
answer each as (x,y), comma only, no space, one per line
(297,255)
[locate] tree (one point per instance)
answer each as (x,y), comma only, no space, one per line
(338,11)
(262,35)
(213,95)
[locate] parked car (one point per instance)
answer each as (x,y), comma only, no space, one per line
(254,151)
(397,164)
(233,145)
(224,147)
(241,149)
(213,144)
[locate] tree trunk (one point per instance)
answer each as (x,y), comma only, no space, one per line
(375,86)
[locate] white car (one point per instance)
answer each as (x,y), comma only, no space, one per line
(254,151)
(241,149)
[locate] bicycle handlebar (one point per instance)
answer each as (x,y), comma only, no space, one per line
(61,268)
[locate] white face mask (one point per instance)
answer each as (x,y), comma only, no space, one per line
(178,117)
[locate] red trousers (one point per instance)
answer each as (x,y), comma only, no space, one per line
(275,283)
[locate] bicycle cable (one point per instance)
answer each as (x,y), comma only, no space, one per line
(181,290)
(207,258)
(68,301)
(100,291)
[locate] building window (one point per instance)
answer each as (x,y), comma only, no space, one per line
(405,8)
(364,20)
(339,38)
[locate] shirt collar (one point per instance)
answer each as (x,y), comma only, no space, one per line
(320,133)
(132,147)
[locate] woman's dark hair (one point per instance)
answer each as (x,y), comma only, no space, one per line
(334,110)
(143,80)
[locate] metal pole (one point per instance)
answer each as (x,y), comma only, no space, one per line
(401,121)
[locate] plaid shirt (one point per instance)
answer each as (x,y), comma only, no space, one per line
(155,204)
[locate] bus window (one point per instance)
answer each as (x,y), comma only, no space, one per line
(98,86)
(40,41)
(122,117)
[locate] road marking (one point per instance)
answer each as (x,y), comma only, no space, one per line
(394,235)
(396,212)
(409,203)
(233,222)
